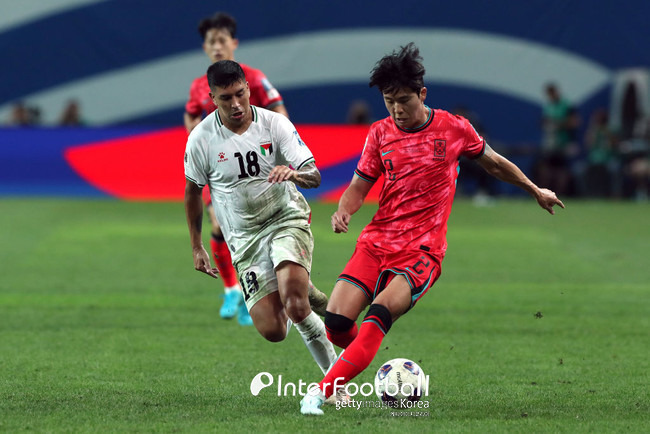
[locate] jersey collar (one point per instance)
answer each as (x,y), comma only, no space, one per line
(220,122)
(420,127)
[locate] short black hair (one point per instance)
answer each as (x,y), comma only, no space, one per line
(224,73)
(220,20)
(399,69)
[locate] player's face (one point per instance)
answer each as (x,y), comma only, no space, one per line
(406,107)
(219,45)
(233,104)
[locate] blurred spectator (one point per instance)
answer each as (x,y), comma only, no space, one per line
(359,113)
(599,173)
(636,160)
(71,115)
(634,146)
(23,115)
(631,114)
(560,123)
(639,170)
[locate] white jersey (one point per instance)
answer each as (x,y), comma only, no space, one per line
(236,168)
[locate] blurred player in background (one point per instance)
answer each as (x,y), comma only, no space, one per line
(246,156)
(399,253)
(219,34)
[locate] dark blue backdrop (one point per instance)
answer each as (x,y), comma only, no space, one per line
(117,38)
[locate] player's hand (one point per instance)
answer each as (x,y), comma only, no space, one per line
(547,199)
(280,174)
(202,263)
(340,221)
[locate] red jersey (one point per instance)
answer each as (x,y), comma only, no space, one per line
(263,94)
(420,167)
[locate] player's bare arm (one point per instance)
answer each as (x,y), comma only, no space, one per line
(350,202)
(194,215)
(307,176)
(191,121)
(503,169)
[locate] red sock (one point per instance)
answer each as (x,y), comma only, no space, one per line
(223,261)
(355,359)
(342,339)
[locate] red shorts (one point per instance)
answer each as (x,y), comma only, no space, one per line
(371,269)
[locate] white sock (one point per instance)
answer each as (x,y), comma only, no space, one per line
(312,331)
(232,288)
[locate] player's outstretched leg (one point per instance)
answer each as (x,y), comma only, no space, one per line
(362,350)
(356,357)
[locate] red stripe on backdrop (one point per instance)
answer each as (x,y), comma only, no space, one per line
(332,144)
(142,167)
(150,166)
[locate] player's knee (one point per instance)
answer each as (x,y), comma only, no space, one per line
(336,323)
(274,334)
(297,307)
(217,235)
(341,330)
(380,315)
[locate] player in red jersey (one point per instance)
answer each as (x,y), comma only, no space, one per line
(399,253)
(219,34)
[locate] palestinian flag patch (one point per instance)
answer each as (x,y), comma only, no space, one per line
(266,148)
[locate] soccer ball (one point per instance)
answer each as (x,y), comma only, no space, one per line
(400,380)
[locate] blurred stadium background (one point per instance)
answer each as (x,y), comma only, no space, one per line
(128,64)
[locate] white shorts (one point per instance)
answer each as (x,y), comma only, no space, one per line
(257,269)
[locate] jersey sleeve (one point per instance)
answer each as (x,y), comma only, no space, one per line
(263,93)
(196,161)
(474,143)
(370,166)
(292,151)
(193,104)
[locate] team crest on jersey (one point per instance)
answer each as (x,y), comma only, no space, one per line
(439,148)
(266,148)
(222,157)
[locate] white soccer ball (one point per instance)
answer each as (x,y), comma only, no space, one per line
(400,380)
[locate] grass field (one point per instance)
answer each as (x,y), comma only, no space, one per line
(538,324)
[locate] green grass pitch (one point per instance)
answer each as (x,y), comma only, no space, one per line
(539,323)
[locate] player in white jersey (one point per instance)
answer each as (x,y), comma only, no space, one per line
(252,159)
